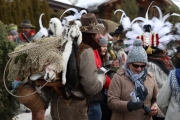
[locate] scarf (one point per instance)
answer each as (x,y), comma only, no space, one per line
(174,77)
(138,79)
(97,59)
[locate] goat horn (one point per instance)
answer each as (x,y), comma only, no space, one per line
(175,14)
(147,11)
(138,18)
(70,9)
(123,14)
(81,12)
(159,10)
(165,17)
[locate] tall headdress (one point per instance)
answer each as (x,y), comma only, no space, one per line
(155,33)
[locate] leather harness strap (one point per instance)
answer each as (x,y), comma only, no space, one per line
(55,85)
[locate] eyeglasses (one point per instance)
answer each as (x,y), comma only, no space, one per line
(137,66)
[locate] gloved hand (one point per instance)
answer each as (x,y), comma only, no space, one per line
(134,105)
(147,109)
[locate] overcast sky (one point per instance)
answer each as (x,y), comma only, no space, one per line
(86,3)
(94,3)
(177,2)
(64,1)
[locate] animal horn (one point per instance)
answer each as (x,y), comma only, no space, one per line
(165,17)
(175,14)
(147,11)
(70,9)
(123,14)
(40,20)
(81,12)
(159,10)
(138,18)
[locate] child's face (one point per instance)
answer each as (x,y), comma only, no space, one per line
(10,37)
(116,37)
(104,49)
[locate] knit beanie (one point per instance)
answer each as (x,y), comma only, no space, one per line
(137,53)
(103,41)
(13,32)
(12,27)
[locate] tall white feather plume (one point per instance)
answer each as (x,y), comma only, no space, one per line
(163,31)
(129,42)
(158,24)
(168,24)
(161,47)
(175,37)
(131,35)
(126,23)
(137,29)
(165,39)
(148,22)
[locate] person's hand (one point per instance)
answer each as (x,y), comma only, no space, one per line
(154,110)
(134,105)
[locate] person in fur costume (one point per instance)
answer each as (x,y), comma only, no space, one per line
(90,82)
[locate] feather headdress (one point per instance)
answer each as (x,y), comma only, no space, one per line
(155,33)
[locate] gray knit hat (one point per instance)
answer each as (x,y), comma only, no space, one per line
(137,53)
(103,41)
(13,32)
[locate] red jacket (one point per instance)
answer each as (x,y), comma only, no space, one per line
(23,39)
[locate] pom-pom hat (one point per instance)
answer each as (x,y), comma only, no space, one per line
(137,53)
